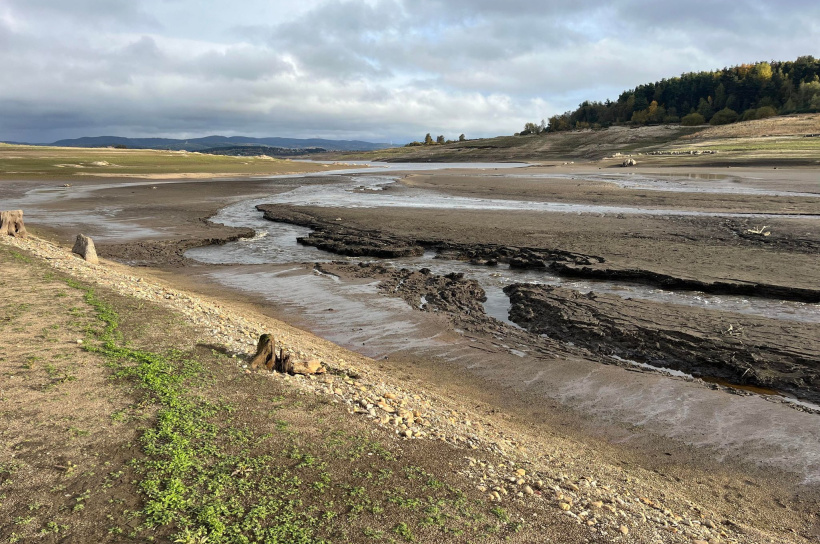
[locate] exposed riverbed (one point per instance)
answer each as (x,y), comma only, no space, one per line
(357,311)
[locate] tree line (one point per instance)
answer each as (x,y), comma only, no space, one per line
(740,93)
(440,140)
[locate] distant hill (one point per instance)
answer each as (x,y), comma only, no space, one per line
(210,142)
(719,97)
(256,150)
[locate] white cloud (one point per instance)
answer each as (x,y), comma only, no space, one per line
(379,70)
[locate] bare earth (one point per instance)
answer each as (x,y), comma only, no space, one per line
(661,488)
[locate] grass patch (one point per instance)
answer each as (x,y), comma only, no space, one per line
(213,470)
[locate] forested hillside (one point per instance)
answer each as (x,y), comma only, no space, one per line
(748,91)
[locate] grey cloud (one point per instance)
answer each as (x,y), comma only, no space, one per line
(382,69)
(122,14)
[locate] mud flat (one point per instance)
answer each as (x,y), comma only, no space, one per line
(547,384)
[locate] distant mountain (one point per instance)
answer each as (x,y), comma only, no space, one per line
(256,150)
(210,142)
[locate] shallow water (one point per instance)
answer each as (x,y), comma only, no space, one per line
(679,183)
(381,191)
(275,243)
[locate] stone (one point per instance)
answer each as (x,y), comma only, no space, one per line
(11,224)
(528,490)
(314,366)
(629,162)
(563,506)
(521,472)
(624,529)
(84,247)
(386,407)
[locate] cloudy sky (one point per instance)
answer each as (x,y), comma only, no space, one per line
(377,70)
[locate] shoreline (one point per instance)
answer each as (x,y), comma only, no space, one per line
(529,421)
(647,491)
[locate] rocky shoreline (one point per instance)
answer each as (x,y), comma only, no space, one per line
(610,501)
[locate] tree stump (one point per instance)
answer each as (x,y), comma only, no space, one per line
(314,366)
(283,361)
(84,247)
(11,224)
(265,349)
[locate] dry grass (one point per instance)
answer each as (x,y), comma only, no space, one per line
(34,162)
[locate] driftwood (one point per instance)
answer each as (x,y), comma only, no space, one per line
(283,361)
(264,353)
(84,247)
(11,224)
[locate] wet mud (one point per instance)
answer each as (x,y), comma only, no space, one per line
(359,242)
(742,350)
(171,252)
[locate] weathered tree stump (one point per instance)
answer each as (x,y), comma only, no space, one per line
(264,353)
(11,224)
(283,361)
(84,247)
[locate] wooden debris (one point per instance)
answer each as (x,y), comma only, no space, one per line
(11,224)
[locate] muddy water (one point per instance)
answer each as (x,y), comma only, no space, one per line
(358,316)
(374,191)
(276,244)
(684,183)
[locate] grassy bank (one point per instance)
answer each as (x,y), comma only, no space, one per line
(780,140)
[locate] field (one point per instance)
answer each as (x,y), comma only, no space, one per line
(128,412)
(42,163)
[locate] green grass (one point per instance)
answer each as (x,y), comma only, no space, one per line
(188,475)
(206,475)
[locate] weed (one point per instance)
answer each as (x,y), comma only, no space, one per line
(373,533)
(404,531)
(20,257)
(501,514)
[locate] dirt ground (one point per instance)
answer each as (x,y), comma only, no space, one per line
(766,503)
(73,439)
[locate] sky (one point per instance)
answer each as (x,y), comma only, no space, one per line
(376,70)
